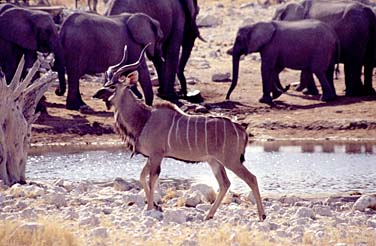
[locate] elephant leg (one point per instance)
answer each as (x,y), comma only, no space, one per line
(188,43)
(145,82)
(277,88)
(74,100)
(306,78)
(170,68)
(327,92)
(268,85)
(302,83)
(368,72)
(352,79)
(330,77)
(160,67)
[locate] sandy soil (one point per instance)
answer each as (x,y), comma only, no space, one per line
(295,116)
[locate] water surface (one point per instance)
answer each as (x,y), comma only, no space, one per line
(279,170)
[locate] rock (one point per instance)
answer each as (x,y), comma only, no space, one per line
(206,190)
(58,182)
(90,220)
(208,21)
(175,215)
(16,190)
(203,207)
(130,199)
(251,197)
(247,5)
(192,199)
(121,185)
(371,223)
(304,212)
(248,21)
(20,205)
(55,199)
(322,210)
(99,232)
(2,198)
(157,197)
(31,227)
(289,200)
(365,201)
(221,77)
(33,191)
(29,214)
(154,214)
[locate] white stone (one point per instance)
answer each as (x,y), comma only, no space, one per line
(31,227)
(59,182)
(153,214)
(129,199)
(203,207)
(304,212)
(289,200)
(322,210)
(175,215)
(206,190)
(2,198)
(29,214)
(121,185)
(90,220)
(208,21)
(192,199)
(56,199)
(99,232)
(157,197)
(33,191)
(365,201)
(17,190)
(371,223)
(20,205)
(221,77)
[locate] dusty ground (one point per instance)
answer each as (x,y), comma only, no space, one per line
(296,116)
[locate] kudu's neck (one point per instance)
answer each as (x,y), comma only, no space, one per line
(131,115)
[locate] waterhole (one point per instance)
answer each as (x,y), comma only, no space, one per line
(299,169)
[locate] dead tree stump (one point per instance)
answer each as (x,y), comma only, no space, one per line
(18,101)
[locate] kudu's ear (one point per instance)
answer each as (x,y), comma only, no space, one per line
(133,78)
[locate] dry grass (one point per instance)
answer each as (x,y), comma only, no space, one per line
(47,234)
(63,233)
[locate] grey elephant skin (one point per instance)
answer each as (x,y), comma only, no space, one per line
(92,43)
(307,45)
(355,26)
(178,23)
(24,32)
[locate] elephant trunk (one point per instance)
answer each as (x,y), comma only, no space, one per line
(235,70)
(59,66)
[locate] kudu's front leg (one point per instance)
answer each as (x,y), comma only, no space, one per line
(224,183)
(154,171)
(145,171)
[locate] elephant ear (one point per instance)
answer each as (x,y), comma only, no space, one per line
(15,27)
(144,30)
(290,12)
(259,35)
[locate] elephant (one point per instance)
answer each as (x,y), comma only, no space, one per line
(355,26)
(307,45)
(92,43)
(24,32)
(178,23)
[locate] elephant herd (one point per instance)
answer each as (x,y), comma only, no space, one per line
(311,36)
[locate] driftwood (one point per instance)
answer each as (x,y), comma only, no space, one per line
(18,101)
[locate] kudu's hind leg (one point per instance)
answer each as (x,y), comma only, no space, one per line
(154,171)
(242,172)
(224,183)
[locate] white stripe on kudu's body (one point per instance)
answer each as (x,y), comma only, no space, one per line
(165,131)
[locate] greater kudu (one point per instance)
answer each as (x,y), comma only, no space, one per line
(165,131)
